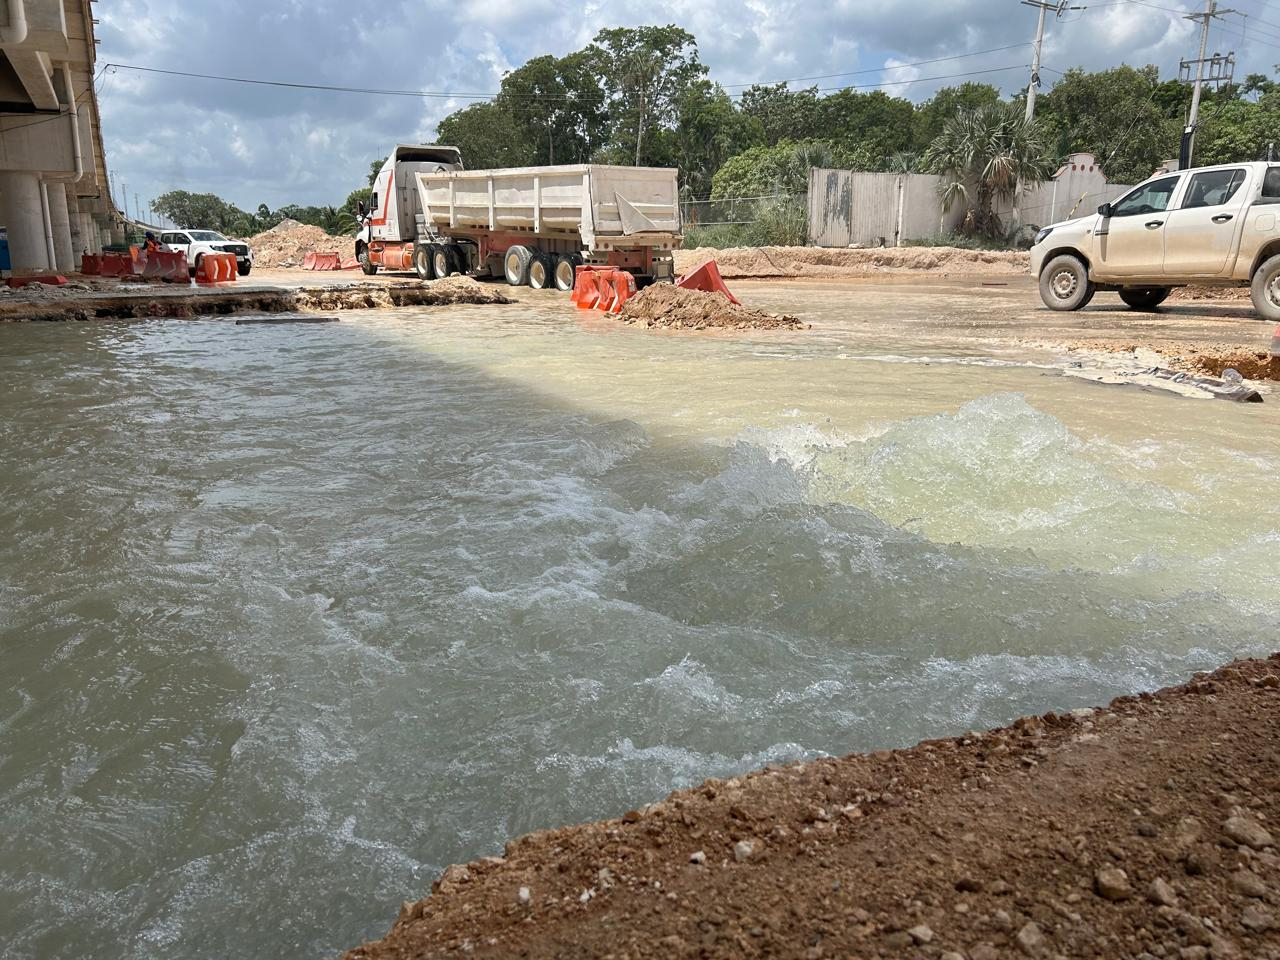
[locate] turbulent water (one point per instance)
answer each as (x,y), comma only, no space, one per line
(290,618)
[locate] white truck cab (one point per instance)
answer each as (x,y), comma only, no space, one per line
(196,243)
(1215,226)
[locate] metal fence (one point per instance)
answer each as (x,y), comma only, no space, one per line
(729,211)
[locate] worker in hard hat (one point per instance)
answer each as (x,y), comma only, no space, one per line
(153,245)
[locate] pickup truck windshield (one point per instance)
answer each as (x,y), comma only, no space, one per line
(1150,198)
(205,236)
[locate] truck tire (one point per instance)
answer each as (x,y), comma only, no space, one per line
(566,269)
(1266,289)
(515,265)
(541,271)
(366,264)
(244,268)
(461,262)
(443,263)
(1145,298)
(422,261)
(1065,283)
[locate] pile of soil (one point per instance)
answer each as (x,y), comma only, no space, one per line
(1212,359)
(288,242)
(437,293)
(822,262)
(1147,829)
(666,305)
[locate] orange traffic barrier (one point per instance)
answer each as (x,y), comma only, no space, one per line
(216,268)
(91,265)
(602,288)
(49,280)
(624,288)
(586,288)
(170,266)
(706,277)
(322,261)
(116,265)
(351,263)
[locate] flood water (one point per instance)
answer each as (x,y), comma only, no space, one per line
(293,617)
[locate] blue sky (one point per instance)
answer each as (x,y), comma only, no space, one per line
(254,144)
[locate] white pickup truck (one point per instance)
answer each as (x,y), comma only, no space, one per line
(1215,226)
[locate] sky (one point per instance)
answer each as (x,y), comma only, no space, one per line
(254,144)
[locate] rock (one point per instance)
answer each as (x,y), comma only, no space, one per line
(921,934)
(1187,831)
(1161,894)
(744,850)
(698,858)
(1030,940)
(453,877)
(951,955)
(983,951)
(1269,681)
(1248,832)
(586,895)
(969,885)
(1249,883)
(1112,883)
(898,941)
(1193,953)
(1081,713)
(1256,919)
(524,896)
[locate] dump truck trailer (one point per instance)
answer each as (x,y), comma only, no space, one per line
(530,225)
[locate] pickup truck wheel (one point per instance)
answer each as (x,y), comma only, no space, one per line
(1266,289)
(366,264)
(422,261)
(244,268)
(1145,298)
(541,272)
(515,265)
(566,270)
(1065,284)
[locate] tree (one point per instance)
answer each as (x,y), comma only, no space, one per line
(487,135)
(375,168)
(931,115)
(708,132)
(558,106)
(645,70)
(782,169)
(203,211)
(985,154)
(783,114)
(875,122)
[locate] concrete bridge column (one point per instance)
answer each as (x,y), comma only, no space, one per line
(22,211)
(89,231)
(60,222)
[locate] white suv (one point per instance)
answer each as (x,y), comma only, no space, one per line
(1217,226)
(196,243)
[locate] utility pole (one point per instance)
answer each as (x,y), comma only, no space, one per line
(1211,13)
(1059,7)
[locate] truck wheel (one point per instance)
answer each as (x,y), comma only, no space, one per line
(461,262)
(541,271)
(366,264)
(566,270)
(442,262)
(1145,298)
(1065,284)
(244,268)
(515,265)
(1266,289)
(422,261)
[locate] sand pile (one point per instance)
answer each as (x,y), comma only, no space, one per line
(287,243)
(666,305)
(1147,829)
(437,293)
(822,262)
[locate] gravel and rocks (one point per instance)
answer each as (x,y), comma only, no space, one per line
(958,837)
(824,262)
(666,305)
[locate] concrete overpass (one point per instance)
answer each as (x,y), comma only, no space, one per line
(55,198)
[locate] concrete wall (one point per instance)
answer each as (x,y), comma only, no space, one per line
(847,208)
(55,201)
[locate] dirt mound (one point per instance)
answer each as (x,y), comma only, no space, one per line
(1148,829)
(823,262)
(666,305)
(437,293)
(1208,358)
(287,243)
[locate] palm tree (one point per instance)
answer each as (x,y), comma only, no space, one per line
(984,155)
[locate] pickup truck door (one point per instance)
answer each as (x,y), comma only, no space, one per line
(177,242)
(1201,235)
(1130,243)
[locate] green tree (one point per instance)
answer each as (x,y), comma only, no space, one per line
(931,115)
(984,155)
(783,114)
(876,123)
(646,69)
(558,105)
(487,135)
(708,132)
(202,211)
(782,169)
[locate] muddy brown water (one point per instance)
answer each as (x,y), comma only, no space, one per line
(293,616)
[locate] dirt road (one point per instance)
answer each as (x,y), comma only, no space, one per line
(1145,830)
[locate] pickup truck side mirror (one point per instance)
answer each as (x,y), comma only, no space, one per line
(1105,210)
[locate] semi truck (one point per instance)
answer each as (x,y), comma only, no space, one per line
(530,225)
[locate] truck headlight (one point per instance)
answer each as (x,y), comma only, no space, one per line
(1043,235)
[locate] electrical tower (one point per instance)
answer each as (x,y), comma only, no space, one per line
(1221,71)
(1059,7)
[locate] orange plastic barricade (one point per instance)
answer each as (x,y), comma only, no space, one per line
(49,280)
(216,268)
(116,264)
(351,263)
(602,288)
(624,288)
(91,265)
(586,289)
(322,261)
(164,265)
(706,277)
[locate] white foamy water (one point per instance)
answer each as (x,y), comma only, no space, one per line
(292,618)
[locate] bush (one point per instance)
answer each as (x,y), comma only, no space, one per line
(779,222)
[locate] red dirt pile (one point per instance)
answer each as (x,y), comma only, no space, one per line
(823,262)
(1145,830)
(666,305)
(288,242)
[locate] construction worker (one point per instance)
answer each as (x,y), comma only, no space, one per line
(153,245)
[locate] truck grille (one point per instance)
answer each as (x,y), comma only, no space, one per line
(239,249)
